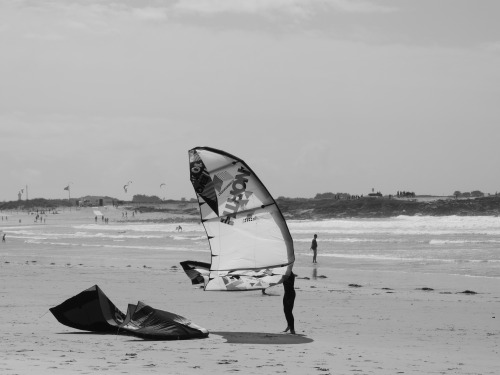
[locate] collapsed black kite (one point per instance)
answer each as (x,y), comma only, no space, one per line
(92,311)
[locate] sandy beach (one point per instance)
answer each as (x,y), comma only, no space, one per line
(348,321)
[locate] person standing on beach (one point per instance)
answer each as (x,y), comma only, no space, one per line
(314,248)
(288,301)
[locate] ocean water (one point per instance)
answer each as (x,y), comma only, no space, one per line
(450,244)
(467,246)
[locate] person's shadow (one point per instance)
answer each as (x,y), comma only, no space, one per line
(263,338)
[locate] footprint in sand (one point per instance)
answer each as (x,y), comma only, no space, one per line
(227,361)
(322,369)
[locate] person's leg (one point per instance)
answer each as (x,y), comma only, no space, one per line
(287,308)
(290,320)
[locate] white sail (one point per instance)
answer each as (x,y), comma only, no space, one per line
(250,242)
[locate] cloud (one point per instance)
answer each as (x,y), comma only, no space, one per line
(150,13)
(292,7)
(359,6)
(109,17)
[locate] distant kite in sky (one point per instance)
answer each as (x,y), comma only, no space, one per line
(161,185)
(125,187)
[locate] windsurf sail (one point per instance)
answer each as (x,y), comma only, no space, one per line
(251,246)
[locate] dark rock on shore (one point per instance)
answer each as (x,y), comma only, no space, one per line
(307,209)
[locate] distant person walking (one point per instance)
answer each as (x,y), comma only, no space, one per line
(314,248)
(288,301)
(3,238)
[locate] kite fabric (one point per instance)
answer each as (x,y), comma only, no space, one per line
(251,246)
(153,324)
(198,272)
(92,311)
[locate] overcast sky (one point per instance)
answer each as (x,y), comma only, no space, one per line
(315,95)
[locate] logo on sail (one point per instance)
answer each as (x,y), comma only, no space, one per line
(238,196)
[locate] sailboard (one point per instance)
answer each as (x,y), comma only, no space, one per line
(251,245)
